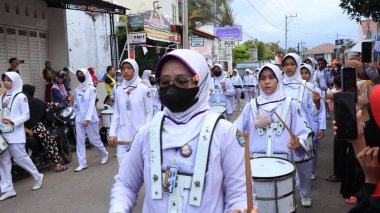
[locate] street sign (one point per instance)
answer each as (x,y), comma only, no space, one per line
(135,23)
(137,38)
(229,43)
(197,41)
(343,42)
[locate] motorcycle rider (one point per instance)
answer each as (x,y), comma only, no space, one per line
(35,126)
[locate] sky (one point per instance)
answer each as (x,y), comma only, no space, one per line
(317,21)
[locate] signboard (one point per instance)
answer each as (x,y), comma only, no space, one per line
(343,42)
(338,50)
(155,20)
(228,43)
(206,49)
(161,35)
(137,38)
(197,41)
(231,32)
(135,23)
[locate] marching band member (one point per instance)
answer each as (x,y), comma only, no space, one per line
(86,119)
(172,143)
(132,108)
(308,105)
(223,91)
(14,113)
(238,84)
(266,135)
(249,85)
(318,122)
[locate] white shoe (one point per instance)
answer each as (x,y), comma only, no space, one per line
(38,184)
(313,177)
(7,195)
(104,160)
(306,202)
(80,168)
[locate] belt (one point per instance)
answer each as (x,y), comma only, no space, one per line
(237,86)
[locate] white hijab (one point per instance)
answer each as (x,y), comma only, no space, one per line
(180,128)
(16,83)
(88,78)
(145,78)
(222,76)
(268,102)
(293,81)
(136,79)
(311,71)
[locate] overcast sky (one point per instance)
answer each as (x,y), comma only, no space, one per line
(317,21)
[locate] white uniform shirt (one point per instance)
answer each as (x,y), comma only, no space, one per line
(125,123)
(19,114)
(218,93)
(84,104)
(237,81)
(258,143)
(224,183)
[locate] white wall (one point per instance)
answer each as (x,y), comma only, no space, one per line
(88,40)
(58,51)
(21,19)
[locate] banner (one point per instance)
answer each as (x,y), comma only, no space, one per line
(137,38)
(231,32)
(155,20)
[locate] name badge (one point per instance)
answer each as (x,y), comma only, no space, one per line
(128,104)
(170,178)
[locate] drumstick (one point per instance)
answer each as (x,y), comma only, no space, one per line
(291,133)
(248,175)
(313,91)
(123,142)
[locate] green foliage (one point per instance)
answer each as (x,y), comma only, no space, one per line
(358,8)
(240,53)
(201,12)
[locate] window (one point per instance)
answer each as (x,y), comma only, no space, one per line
(26,11)
(7,7)
(17,10)
(35,13)
(174,14)
(43,14)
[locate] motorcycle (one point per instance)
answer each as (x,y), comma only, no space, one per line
(60,123)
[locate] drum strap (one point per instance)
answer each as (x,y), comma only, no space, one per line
(284,115)
(9,107)
(300,95)
(196,182)
(255,113)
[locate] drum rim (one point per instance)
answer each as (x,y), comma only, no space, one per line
(279,177)
(274,198)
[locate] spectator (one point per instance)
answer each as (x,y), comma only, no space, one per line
(59,93)
(67,81)
(48,74)
(110,79)
(14,63)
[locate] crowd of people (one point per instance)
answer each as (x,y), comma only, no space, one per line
(169,125)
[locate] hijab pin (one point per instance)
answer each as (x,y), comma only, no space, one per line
(186,151)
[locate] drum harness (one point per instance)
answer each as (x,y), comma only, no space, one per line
(194,182)
(276,127)
(7,110)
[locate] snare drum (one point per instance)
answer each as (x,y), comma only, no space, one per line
(309,148)
(106,118)
(219,109)
(3,145)
(274,184)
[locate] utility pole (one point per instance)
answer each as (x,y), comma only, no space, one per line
(185,23)
(300,46)
(286,31)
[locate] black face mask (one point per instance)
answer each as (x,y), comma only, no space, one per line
(217,73)
(178,99)
(81,78)
(152,83)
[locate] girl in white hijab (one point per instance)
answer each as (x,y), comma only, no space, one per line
(237,82)
(132,108)
(184,89)
(86,119)
(145,77)
(14,113)
(270,100)
(308,104)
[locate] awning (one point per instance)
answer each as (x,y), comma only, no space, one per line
(99,6)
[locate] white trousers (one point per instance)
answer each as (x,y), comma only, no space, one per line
(303,177)
(92,131)
(247,96)
(238,97)
(18,152)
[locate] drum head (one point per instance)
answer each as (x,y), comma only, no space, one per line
(271,167)
(108,111)
(218,109)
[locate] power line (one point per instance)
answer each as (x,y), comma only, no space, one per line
(263,17)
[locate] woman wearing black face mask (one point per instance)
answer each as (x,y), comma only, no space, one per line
(222,91)
(172,141)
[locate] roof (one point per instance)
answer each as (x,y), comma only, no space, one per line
(100,6)
(321,49)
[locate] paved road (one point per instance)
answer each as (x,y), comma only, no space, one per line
(88,191)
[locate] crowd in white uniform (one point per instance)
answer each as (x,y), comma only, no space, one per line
(169,139)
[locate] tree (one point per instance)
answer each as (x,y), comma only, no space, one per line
(358,8)
(200,10)
(240,53)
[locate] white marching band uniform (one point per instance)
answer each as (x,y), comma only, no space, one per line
(132,109)
(306,107)
(222,98)
(18,112)
(237,82)
(84,104)
(210,178)
(249,83)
